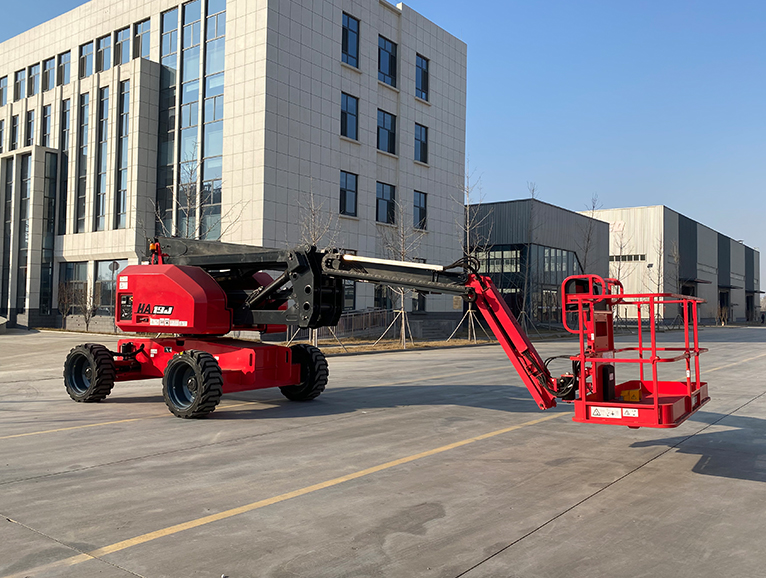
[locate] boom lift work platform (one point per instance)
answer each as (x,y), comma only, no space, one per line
(199,291)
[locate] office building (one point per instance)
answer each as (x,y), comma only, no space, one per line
(247,121)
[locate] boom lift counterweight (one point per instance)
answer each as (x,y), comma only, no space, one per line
(200,291)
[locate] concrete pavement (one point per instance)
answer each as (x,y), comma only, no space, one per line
(420,463)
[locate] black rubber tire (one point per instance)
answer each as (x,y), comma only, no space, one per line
(314,373)
(89,372)
(192,384)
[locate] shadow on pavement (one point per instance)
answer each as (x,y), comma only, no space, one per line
(335,401)
(738,453)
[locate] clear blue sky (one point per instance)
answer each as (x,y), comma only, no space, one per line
(642,102)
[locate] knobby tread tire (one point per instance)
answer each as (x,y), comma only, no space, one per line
(101,364)
(314,373)
(210,388)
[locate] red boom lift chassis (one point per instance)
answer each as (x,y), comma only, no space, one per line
(199,291)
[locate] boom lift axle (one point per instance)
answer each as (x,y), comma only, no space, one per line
(199,291)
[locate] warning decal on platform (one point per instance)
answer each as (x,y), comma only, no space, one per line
(629,412)
(606,412)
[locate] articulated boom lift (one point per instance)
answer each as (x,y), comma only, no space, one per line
(199,291)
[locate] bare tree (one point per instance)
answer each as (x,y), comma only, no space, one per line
(400,241)
(475,231)
(319,227)
(527,311)
(191,215)
(87,304)
(67,298)
(655,274)
(620,247)
(588,237)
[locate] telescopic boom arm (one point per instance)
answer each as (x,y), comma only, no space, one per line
(310,291)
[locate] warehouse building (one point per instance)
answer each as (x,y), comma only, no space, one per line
(529,247)
(657,250)
(240,120)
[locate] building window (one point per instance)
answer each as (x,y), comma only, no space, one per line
(383,297)
(141,40)
(66,111)
(215,31)
(49,224)
(3,91)
(29,139)
(419,302)
(420,211)
(350,40)
(348,193)
(7,216)
(14,132)
(86,60)
(386,132)
(20,85)
(421,143)
(2,134)
(99,213)
(167,135)
(122,46)
(73,279)
(169,37)
(348,115)
(123,129)
(349,295)
(23,252)
(385,209)
(34,80)
(105,284)
(421,77)
(212,130)
(63,68)
(82,162)
(627,258)
(386,61)
(188,169)
(45,127)
(103,53)
(49,74)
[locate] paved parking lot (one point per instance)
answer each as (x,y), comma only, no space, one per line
(426,463)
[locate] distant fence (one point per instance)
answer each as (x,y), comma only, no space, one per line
(369,323)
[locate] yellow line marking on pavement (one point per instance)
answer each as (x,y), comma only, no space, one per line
(142,539)
(34,433)
(735,363)
(103,423)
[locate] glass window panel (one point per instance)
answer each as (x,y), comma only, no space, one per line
(192,12)
(189,144)
(214,85)
(190,63)
(213,143)
(213,169)
(214,56)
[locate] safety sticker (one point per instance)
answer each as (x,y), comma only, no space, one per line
(629,412)
(123,283)
(169,322)
(606,412)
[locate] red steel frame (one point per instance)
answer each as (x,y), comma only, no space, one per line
(663,404)
(244,365)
